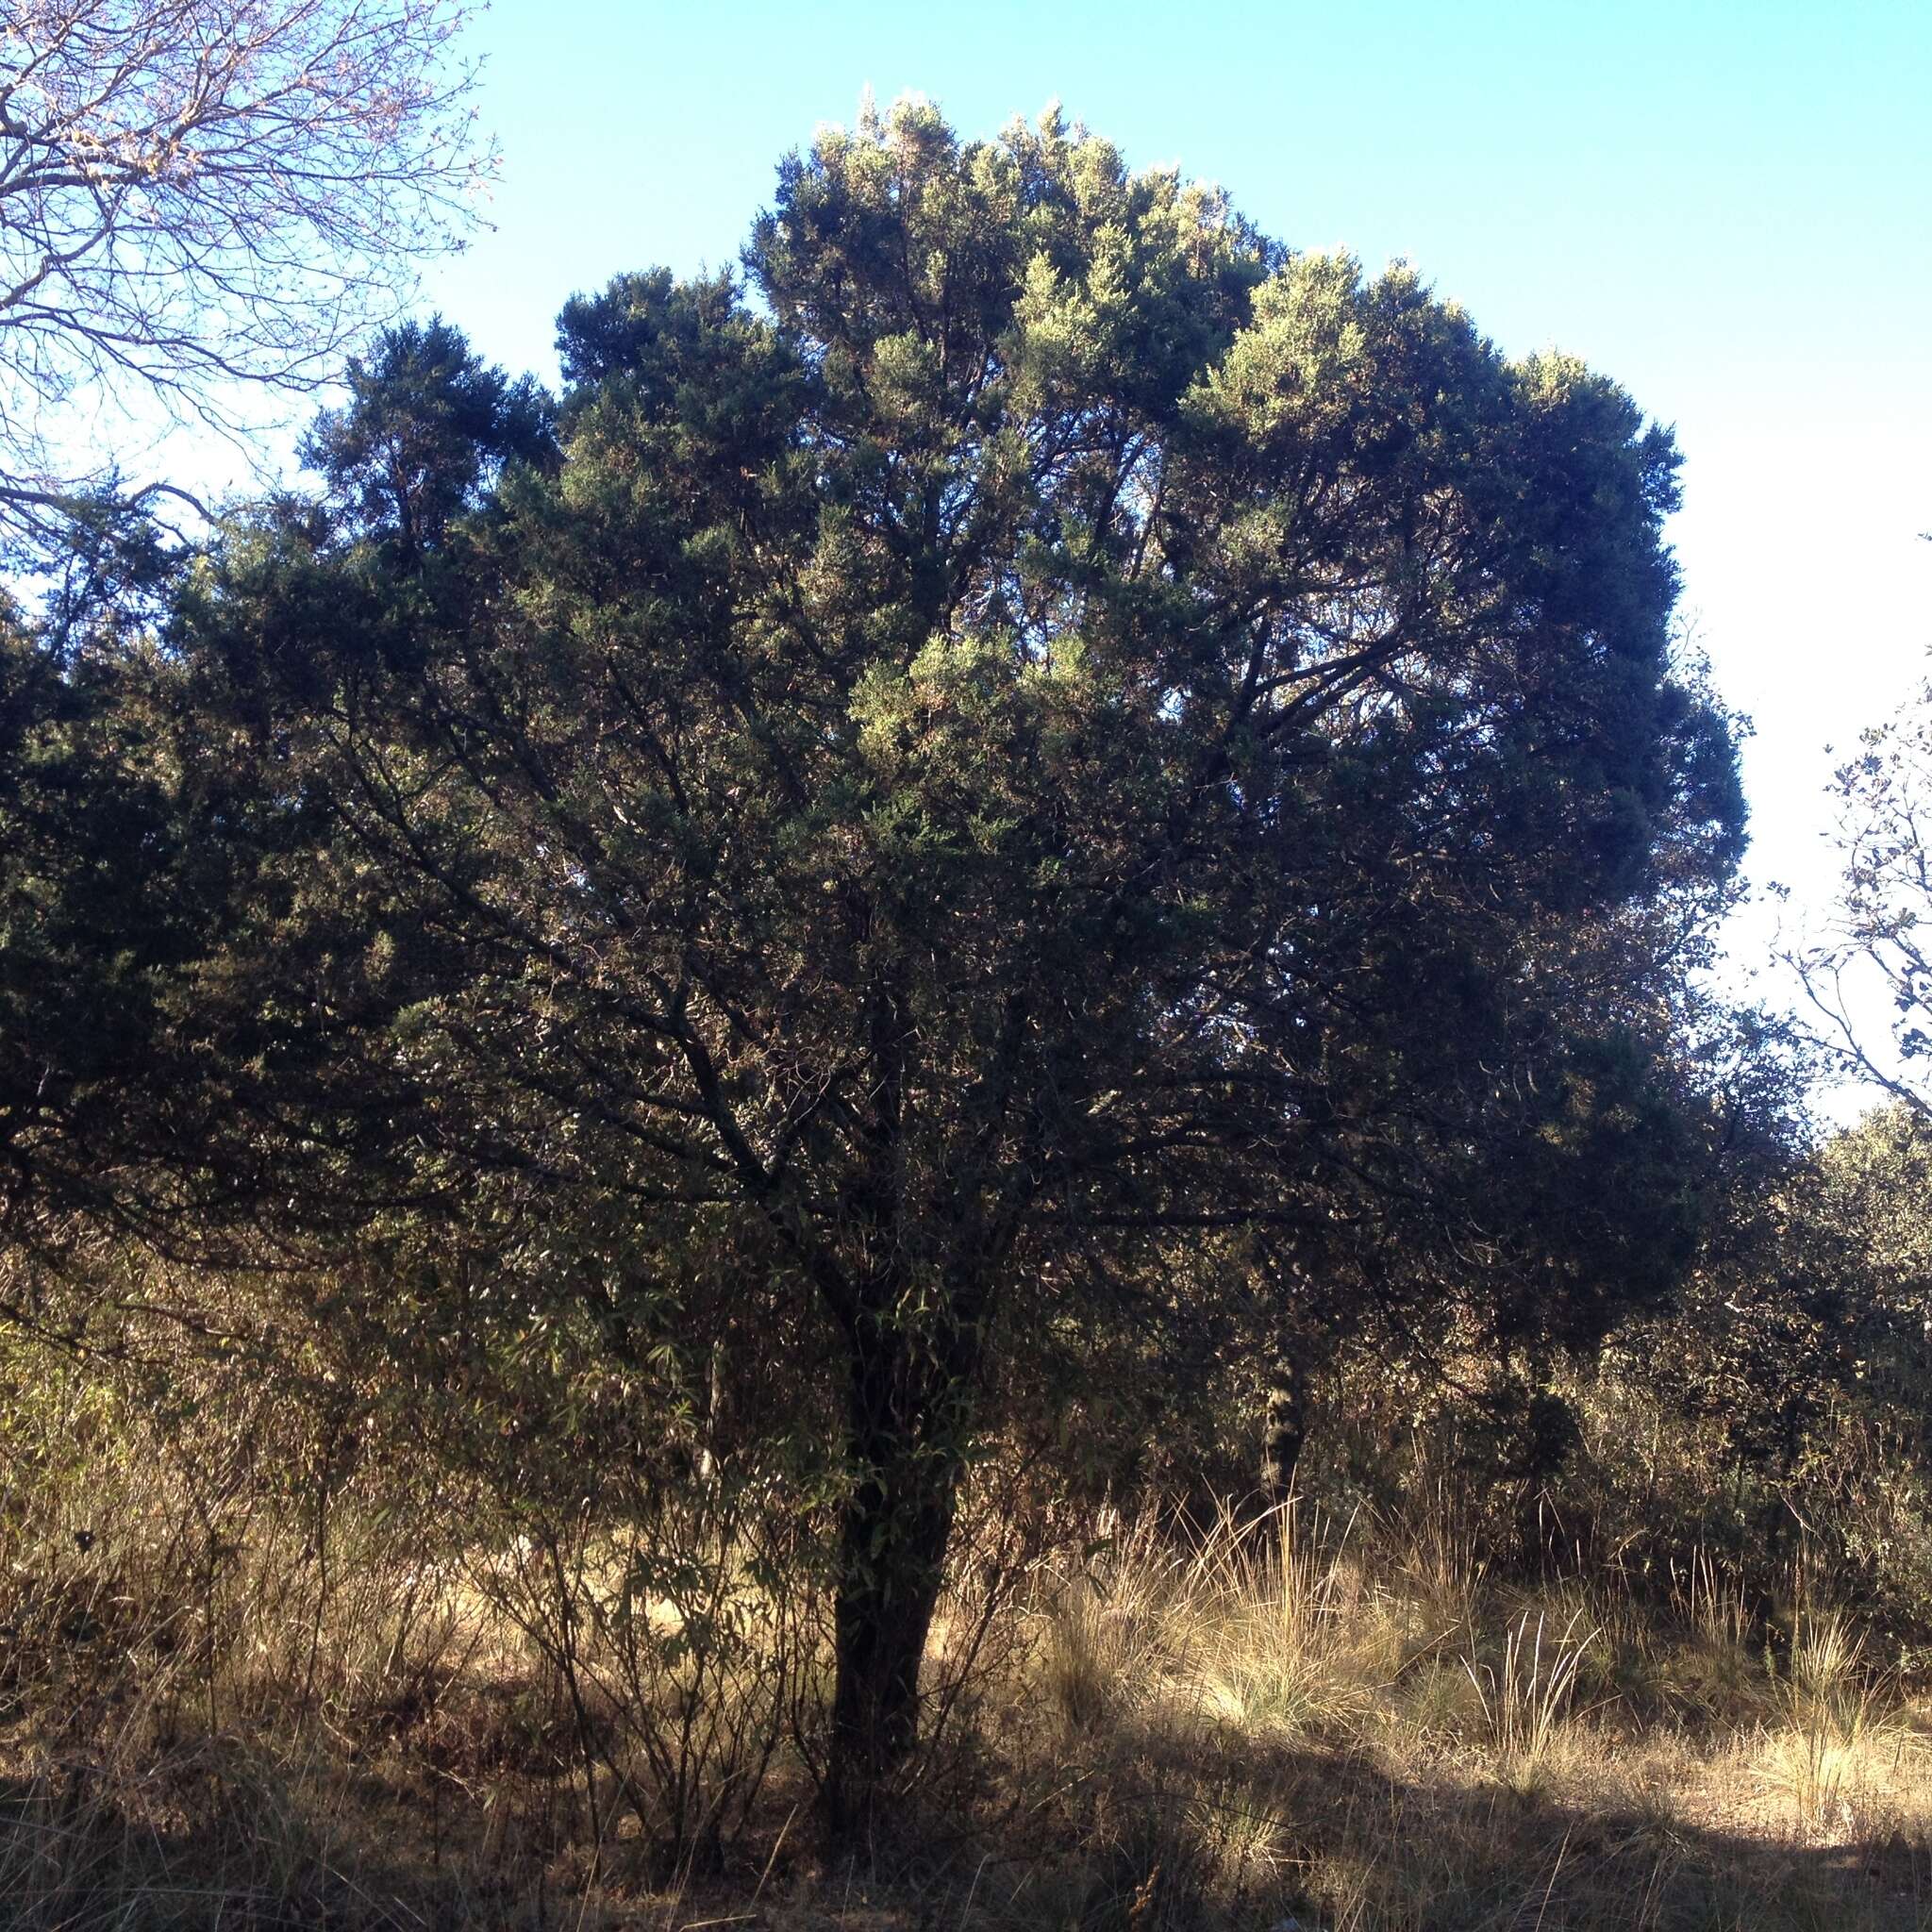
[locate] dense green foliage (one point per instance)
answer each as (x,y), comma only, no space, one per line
(98,903)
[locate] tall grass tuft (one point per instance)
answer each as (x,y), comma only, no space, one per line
(1527,1694)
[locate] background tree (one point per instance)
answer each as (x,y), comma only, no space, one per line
(199,194)
(91,918)
(1047,725)
(1877,954)
(427,425)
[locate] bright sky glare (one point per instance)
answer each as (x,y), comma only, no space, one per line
(1726,207)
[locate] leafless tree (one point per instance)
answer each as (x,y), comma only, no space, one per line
(200,197)
(1870,978)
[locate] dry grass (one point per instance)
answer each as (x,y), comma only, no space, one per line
(1288,1723)
(211,1716)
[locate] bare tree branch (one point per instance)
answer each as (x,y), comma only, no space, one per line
(200,196)
(1879,946)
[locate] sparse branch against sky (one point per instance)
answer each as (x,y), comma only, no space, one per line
(199,197)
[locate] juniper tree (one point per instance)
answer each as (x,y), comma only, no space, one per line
(1032,721)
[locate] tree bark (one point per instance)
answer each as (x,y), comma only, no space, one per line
(1285,1425)
(908,1409)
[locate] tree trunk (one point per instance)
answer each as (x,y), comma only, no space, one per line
(908,1408)
(1285,1424)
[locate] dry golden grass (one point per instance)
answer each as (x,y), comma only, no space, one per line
(1333,1725)
(1280,1719)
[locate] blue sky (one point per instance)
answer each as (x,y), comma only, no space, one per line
(1727,208)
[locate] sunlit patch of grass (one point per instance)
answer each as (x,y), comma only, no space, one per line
(1526,1695)
(1651,1791)
(1088,1657)
(1841,1750)
(1104,1632)
(1438,1563)
(1287,1633)
(1277,1641)
(1438,1702)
